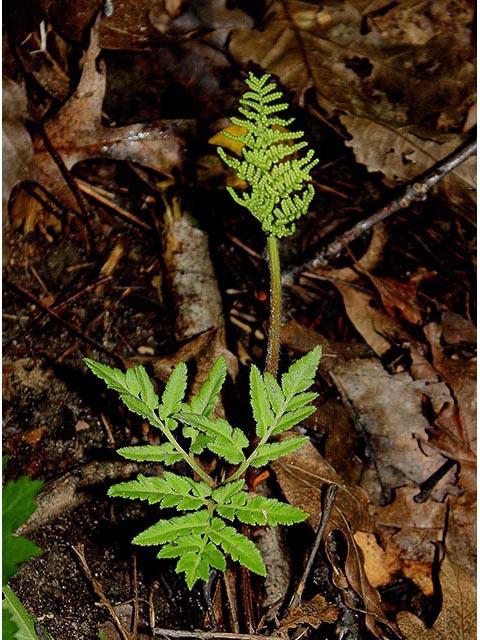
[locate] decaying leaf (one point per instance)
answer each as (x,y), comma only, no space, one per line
(17,146)
(412,528)
(393,73)
(378,330)
(403,153)
(312,613)
(76,132)
(301,476)
(366,66)
(388,411)
(381,565)
(457,618)
(400,298)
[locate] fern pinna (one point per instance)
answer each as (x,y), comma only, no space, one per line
(204,535)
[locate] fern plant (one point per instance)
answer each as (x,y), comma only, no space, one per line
(204,535)
(279,193)
(276,166)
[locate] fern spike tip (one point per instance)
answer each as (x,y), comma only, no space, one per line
(276,162)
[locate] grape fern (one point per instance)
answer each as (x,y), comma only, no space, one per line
(202,537)
(278,176)
(277,172)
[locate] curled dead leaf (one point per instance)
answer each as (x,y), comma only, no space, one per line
(312,613)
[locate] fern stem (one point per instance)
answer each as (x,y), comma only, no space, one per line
(190,460)
(266,436)
(274,327)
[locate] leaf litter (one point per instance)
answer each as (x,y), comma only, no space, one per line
(398,371)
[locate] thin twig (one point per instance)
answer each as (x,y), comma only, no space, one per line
(86,215)
(327,509)
(68,325)
(414,191)
(102,196)
(58,308)
(135,598)
(430,483)
(79,550)
(207,594)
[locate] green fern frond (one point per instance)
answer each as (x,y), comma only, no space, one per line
(279,190)
(260,510)
(223,439)
(200,539)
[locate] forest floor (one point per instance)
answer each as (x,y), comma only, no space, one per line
(121,244)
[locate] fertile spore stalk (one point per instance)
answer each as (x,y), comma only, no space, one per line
(278,178)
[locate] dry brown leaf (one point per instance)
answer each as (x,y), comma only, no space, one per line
(403,153)
(377,329)
(399,297)
(312,612)
(17,149)
(461,376)
(355,67)
(386,71)
(301,476)
(388,411)
(461,542)
(204,349)
(412,529)
(457,330)
(457,618)
(76,132)
(381,565)
(455,433)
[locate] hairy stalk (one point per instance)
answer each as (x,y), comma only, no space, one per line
(274,328)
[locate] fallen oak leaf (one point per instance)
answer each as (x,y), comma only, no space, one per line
(412,528)
(460,375)
(388,412)
(400,298)
(381,565)
(17,146)
(355,68)
(377,329)
(76,133)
